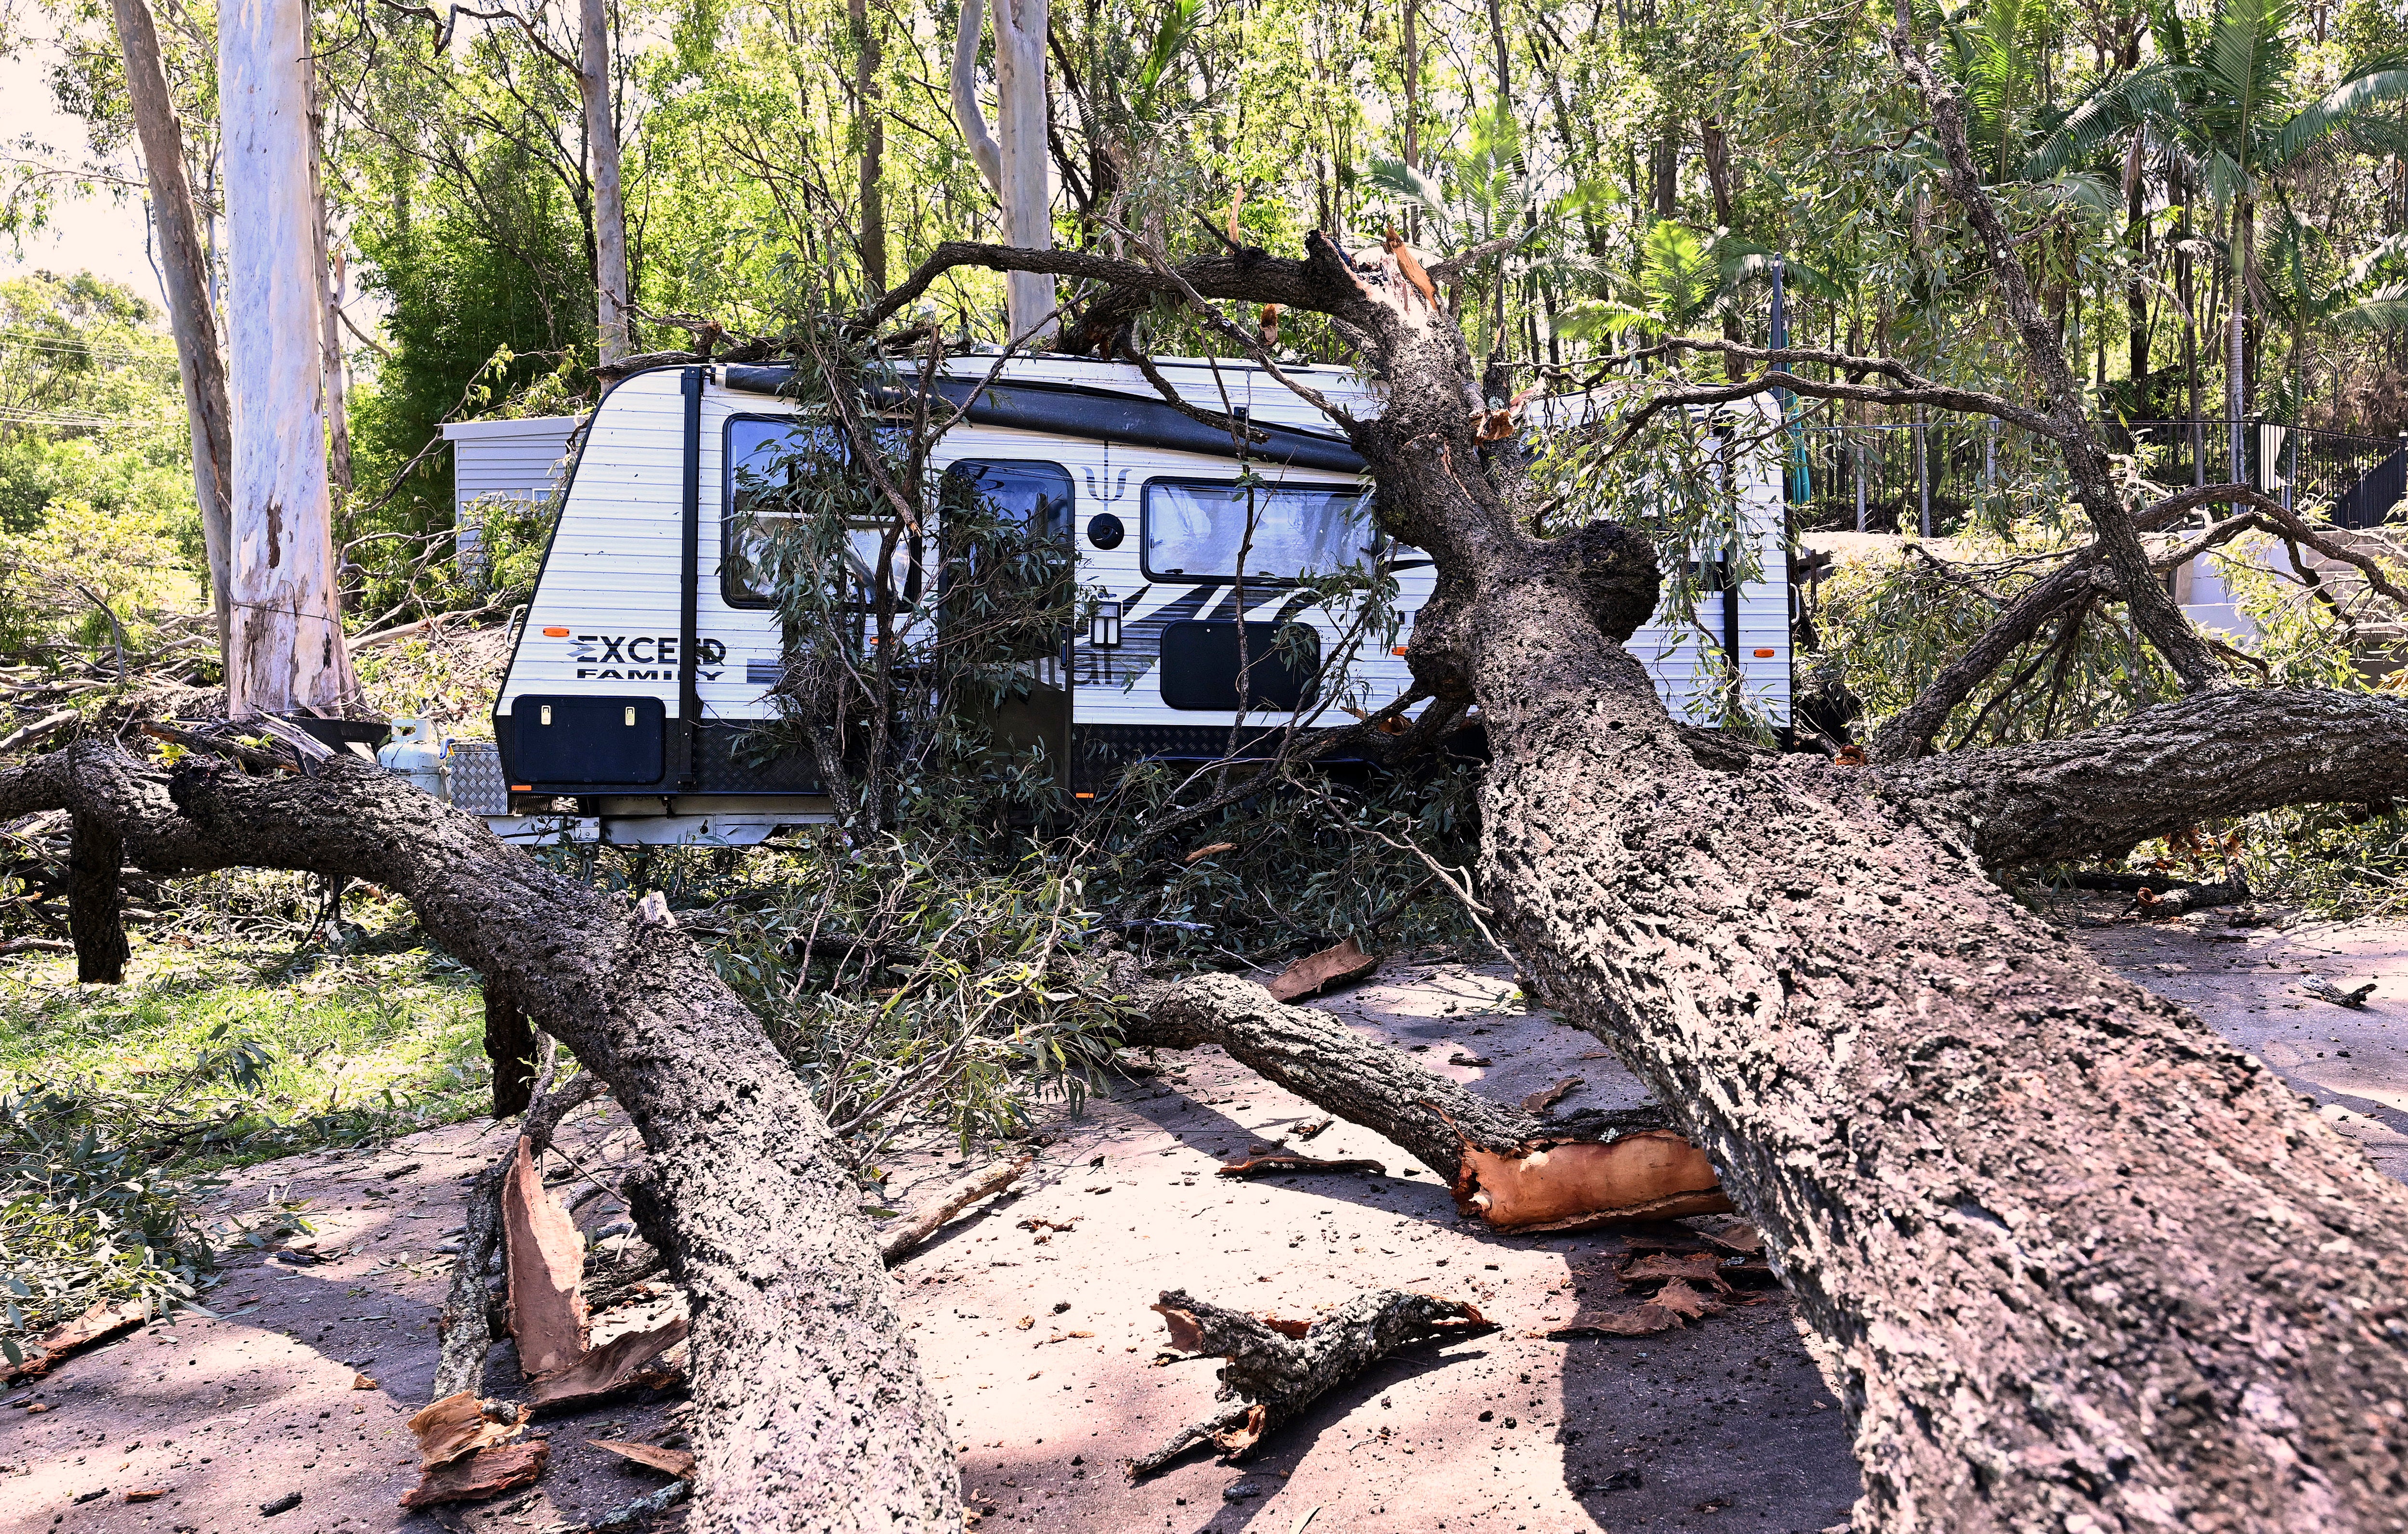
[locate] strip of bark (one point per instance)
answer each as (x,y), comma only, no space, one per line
(901,1241)
(468,1309)
(811,1413)
(1272,1373)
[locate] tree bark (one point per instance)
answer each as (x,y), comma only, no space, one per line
(611,287)
(184,270)
(866,61)
(509,1048)
(95,902)
(812,1411)
(285,634)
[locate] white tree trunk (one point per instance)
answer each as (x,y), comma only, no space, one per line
(184,270)
(285,649)
(609,203)
(332,269)
(1015,159)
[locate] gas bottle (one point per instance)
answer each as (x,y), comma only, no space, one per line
(416,752)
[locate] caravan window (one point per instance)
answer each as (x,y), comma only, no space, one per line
(769,459)
(1195,528)
(1037,495)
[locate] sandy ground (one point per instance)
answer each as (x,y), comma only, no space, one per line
(1041,1341)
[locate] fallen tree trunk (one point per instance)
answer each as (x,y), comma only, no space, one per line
(2069,1259)
(811,1412)
(1509,1168)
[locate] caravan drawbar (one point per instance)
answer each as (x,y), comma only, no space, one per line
(647,654)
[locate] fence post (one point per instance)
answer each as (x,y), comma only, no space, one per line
(1922,479)
(1857,454)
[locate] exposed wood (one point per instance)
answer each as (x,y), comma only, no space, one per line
(456,1427)
(1273,1372)
(103,1320)
(1340,965)
(759,1213)
(1562,1173)
(285,634)
(488,1472)
(546,1258)
(622,1364)
(184,276)
(899,1243)
(468,1306)
(2002,1183)
(675,1462)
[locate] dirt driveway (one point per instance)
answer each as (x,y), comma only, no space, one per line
(1041,1338)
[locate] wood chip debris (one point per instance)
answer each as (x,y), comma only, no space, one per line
(624,1364)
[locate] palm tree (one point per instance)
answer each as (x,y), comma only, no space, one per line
(2225,109)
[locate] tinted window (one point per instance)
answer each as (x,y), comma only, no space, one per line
(1037,496)
(768,460)
(1195,529)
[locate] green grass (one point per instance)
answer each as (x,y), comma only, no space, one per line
(356,1046)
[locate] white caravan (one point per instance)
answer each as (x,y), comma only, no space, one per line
(645,657)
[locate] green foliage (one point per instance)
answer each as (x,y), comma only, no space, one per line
(90,409)
(915,991)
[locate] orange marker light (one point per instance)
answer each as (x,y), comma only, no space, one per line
(555,633)
(1764,655)
(1400,650)
(522,788)
(1083,796)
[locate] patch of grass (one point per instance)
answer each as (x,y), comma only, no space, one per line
(355,1046)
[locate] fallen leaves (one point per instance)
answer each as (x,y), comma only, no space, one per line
(1677,1262)
(1544,1101)
(1339,964)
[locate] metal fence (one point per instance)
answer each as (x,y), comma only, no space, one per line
(1931,476)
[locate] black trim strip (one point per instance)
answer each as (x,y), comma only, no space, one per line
(1103,415)
(689,622)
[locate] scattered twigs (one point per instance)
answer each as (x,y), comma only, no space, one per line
(899,1243)
(1276,1369)
(249,756)
(1295,1166)
(40,730)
